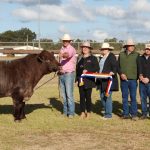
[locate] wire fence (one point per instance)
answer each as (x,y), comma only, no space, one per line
(57,45)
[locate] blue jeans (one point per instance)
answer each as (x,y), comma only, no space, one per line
(107,104)
(144,94)
(129,87)
(66,87)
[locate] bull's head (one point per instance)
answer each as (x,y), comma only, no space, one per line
(49,60)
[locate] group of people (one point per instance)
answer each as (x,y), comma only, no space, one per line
(130,66)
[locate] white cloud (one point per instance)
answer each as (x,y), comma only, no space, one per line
(33,2)
(47,13)
(99,35)
(27,14)
(140,5)
(130,18)
(63,29)
(81,9)
(72,11)
(111,11)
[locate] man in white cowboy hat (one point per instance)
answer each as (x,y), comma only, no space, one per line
(144,78)
(128,64)
(108,65)
(67,75)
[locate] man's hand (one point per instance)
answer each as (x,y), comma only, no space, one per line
(145,80)
(141,77)
(65,55)
(85,71)
(123,77)
(111,73)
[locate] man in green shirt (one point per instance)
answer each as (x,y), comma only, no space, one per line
(128,60)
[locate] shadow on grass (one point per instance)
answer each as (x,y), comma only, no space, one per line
(117,108)
(97,108)
(29,108)
(58,105)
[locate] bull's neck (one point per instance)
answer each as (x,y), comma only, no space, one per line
(42,70)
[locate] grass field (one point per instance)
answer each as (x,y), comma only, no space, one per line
(46,129)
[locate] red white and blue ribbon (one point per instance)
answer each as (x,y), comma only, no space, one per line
(98,75)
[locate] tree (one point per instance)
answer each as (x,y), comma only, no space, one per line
(111,40)
(21,35)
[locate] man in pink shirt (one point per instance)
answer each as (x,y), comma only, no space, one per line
(67,75)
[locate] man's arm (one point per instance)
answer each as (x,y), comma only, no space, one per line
(122,75)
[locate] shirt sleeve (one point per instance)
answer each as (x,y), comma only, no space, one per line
(118,66)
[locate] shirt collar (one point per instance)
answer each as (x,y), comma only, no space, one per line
(146,57)
(126,52)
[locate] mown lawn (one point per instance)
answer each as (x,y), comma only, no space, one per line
(46,129)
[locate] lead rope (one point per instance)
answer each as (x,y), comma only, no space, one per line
(46,82)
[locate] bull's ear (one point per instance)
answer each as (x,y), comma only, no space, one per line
(40,57)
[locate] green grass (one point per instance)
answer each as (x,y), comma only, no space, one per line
(46,129)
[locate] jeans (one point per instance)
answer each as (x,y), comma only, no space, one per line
(66,88)
(85,99)
(144,94)
(107,104)
(129,87)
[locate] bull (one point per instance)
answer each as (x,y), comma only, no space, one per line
(19,77)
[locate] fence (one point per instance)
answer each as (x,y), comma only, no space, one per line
(7,47)
(57,45)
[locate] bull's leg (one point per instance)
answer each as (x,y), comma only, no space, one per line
(17,110)
(22,115)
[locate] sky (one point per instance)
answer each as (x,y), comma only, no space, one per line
(83,19)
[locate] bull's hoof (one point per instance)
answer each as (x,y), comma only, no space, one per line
(17,120)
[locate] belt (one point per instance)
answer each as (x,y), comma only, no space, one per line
(62,73)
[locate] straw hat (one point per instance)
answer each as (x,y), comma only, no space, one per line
(106,46)
(129,42)
(66,37)
(86,44)
(147,46)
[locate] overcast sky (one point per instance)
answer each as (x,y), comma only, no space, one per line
(84,19)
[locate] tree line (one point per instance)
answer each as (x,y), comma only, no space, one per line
(25,35)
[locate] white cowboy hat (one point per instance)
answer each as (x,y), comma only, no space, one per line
(129,42)
(66,37)
(106,46)
(147,46)
(86,44)
(111,48)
